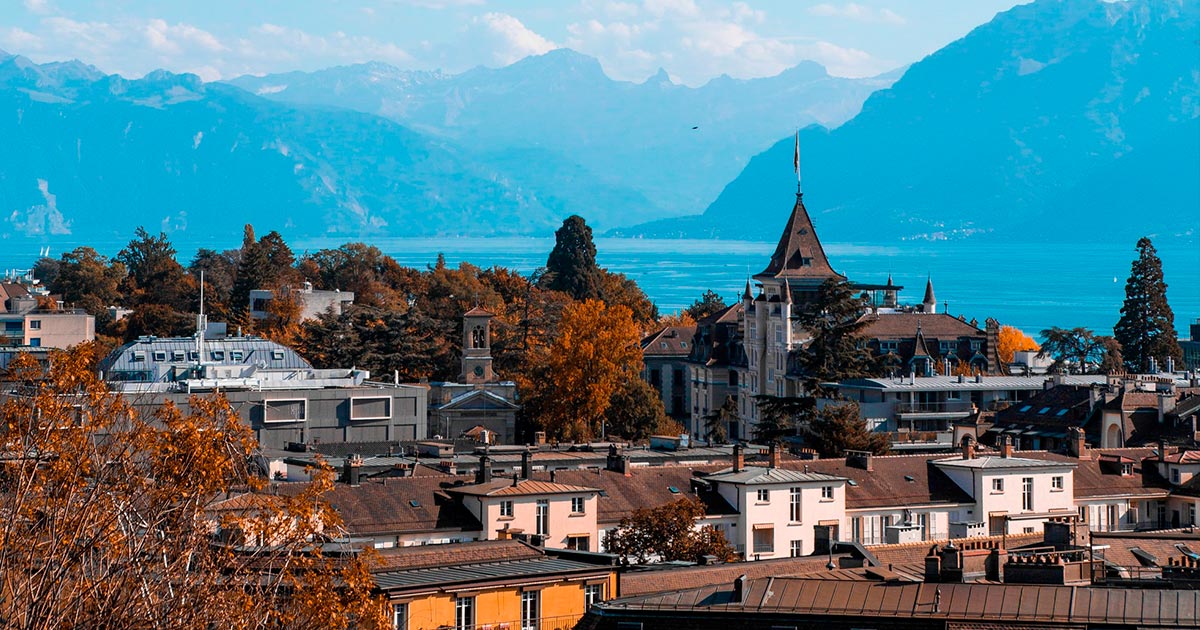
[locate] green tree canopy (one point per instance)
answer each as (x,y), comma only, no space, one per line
(667,533)
(716,423)
(1146,330)
(708,304)
(571,266)
(154,276)
(837,428)
(635,412)
(1081,350)
(836,351)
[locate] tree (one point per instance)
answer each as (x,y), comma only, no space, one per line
(1146,330)
(87,280)
(154,276)
(1013,340)
(635,412)
(668,533)
(780,416)
(708,304)
(266,264)
(1079,347)
(716,423)
(569,384)
(618,289)
(836,352)
(571,266)
(109,518)
(835,429)
(220,273)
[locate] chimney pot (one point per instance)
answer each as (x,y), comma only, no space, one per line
(1006,446)
(526,465)
(774,457)
(739,589)
(739,459)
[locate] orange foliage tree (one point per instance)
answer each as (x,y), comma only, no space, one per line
(1013,340)
(568,384)
(668,532)
(107,518)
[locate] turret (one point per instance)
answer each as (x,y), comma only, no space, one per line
(929,304)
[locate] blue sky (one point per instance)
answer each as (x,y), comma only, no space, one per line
(694,40)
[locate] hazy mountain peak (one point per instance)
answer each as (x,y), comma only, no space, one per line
(659,78)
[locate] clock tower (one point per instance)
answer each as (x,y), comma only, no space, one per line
(477,347)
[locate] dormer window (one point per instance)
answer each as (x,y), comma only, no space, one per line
(1126,470)
(217,355)
(1175,475)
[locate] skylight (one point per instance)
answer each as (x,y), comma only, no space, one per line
(414,503)
(673,489)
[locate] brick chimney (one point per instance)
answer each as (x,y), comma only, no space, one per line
(859,459)
(484,474)
(1076,444)
(739,459)
(773,457)
(353,469)
(1162,449)
(968,447)
(526,465)
(1006,446)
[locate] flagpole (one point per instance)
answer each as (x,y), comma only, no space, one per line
(796,163)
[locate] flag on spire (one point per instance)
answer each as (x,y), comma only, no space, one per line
(796,161)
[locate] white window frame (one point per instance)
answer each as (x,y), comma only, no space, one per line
(1027,493)
(1057,483)
(796,505)
(506,509)
(355,399)
(797,548)
(997,485)
(592,594)
(464,612)
(400,616)
(303,413)
(531,609)
(578,505)
(826,493)
(762,495)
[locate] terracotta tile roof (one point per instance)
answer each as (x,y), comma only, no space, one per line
(914,553)
(620,496)
(1129,401)
(727,315)
(479,312)
(1057,408)
(1093,478)
(799,254)
(394,506)
(505,487)
(424,556)
(1184,457)
(904,326)
(673,341)
(1159,544)
(889,484)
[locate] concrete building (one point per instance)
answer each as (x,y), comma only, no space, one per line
(312,302)
(24,323)
(275,391)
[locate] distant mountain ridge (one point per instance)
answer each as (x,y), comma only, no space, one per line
(674,144)
(1079,119)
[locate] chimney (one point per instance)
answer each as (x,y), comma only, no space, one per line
(1006,446)
(353,468)
(739,460)
(859,459)
(1162,449)
(552,475)
(526,465)
(484,474)
(539,438)
(1076,444)
(773,457)
(968,447)
(739,589)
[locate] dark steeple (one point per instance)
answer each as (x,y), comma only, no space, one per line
(930,302)
(799,254)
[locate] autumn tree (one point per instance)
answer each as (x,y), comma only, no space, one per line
(708,304)
(635,412)
(678,318)
(1081,348)
(1146,330)
(668,533)
(569,384)
(571,266)
(618,289)
(837,428)
(87,280)
(108,518)
(1013,340)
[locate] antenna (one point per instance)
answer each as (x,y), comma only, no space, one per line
(796,162)
(201,324)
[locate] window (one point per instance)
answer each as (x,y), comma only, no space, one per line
(506,509)
(795,505)
(543,517)
(530,610)
(178,356)
(371,408)
(193,355)
(159,355)
(277,355)
(237,356)
(797,548)
(400,616)
(593,594)
(1027,493)
(35,324)
(577,505)
(764,496)
(1191,514)
(579,542)
(217,355)
(138,357)
(764,539)
(997,485)
(464,613)
(36,342)
(1131,516)
(1056,483)
(1174,475)
(288,410)
(826,493)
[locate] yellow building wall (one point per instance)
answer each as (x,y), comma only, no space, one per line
(562,603)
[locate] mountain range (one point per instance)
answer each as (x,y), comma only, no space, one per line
(1065,119)
(1057,119)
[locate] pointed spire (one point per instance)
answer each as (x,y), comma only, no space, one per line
(889,282)
(787,292)
(746,295)
(799,253)
(930,302)
(919,347)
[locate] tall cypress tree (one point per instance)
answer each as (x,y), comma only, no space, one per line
(1146,329)
(571,267)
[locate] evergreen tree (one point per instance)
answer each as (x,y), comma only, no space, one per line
(155,277)
(835,429)
(635,412)
(1081,350)
(836,351)
(716,424)
(1146,330)
(571,267)
(708,304)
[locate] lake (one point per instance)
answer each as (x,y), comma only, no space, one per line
(1031,286)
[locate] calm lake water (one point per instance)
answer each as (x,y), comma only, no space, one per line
(1029,286)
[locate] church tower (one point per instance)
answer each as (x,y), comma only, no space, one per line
(477,347)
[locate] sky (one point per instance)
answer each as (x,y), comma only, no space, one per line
(693,40)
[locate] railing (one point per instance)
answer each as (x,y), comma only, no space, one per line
(948,406)
(764,548)
(561,622)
